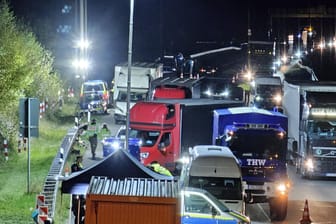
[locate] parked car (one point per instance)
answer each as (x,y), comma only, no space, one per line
(96,94)
(199,206)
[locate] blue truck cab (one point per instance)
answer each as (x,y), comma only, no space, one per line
(258,138)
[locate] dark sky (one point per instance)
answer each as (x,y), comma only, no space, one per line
(164,26)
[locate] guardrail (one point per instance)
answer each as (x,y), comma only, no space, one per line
(51,182)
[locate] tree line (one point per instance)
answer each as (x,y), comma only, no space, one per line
(26,70)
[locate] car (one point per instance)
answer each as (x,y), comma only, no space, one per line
(199,206)
(94,93)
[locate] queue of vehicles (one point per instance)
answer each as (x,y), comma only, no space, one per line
(171,127)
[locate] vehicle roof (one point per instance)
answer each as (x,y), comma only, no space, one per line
(175,81)
(92,82)
(245,110)
(199,101)
(212,150)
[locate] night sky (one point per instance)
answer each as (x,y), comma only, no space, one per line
(162,26)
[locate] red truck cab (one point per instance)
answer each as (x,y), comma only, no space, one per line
(168,128)
(157,125)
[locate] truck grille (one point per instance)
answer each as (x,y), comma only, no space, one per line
(326,165)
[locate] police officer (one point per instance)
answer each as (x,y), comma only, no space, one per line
(93,143)
(78,201)
(156,167)
(77,166)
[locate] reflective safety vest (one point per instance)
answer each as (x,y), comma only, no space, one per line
(160,169)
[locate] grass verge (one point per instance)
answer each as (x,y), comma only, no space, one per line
(16,200)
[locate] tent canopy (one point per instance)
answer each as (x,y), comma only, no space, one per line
(118,165)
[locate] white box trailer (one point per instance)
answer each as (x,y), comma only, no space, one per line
(142,74)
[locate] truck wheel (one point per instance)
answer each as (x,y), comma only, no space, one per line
(278,208)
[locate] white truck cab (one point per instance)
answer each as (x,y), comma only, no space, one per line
(217,170)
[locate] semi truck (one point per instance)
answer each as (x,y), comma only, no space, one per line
(258,138)
(311,111)
(142,73)
(267,92)
(173,87)
(169,127)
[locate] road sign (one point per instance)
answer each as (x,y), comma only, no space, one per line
(29,109)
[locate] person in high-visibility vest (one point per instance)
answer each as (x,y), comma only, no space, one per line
(156,167)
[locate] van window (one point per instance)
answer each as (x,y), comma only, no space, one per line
(221,188)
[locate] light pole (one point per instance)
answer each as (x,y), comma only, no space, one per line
(130,38)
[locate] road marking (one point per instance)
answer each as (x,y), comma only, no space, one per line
(264,212)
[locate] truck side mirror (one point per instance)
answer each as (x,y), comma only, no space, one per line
(218,141)
(295,148)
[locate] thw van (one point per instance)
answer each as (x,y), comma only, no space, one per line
(215,169)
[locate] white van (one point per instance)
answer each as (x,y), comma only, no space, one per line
(215,169)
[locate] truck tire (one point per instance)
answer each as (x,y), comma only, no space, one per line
(278,208)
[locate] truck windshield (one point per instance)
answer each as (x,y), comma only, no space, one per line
(148,138)
(221,188)
(253,143)
(321,126)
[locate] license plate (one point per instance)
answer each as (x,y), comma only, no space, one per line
(255,187)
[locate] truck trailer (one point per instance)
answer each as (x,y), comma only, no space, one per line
(168,128)
(142,74)
(258,138)
(311,111)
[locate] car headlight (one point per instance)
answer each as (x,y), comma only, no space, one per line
(144,155)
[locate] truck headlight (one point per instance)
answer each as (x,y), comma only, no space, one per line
(282,187)
(309,164)
(277,98)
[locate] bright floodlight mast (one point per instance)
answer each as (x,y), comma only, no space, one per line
(81,62)
(130,38)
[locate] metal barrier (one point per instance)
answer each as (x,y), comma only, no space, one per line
(51,182)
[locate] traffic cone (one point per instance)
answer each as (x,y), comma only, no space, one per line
(305,216)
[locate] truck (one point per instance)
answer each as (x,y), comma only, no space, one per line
(267,92)
(217,170)
(258,138)
(142,73)
(173,87)
(149,201)
(169,127)
(311,110)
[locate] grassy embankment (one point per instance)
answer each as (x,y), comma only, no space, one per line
(16,203)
